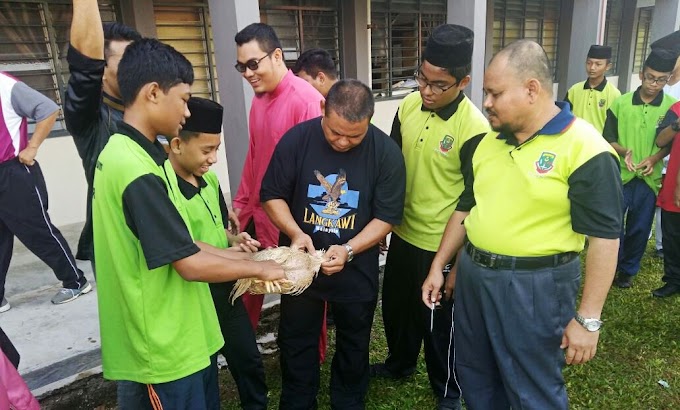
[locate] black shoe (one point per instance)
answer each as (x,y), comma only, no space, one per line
(379,370)
(666,290)
(623,281)
(449,404)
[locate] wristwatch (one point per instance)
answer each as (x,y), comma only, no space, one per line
(350,252)
(675,126)
(590,324)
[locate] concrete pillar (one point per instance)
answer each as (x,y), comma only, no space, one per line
(472,14)
(666,18)
(584,27)
(355,19)
(629,22)
(228,18)
(139,14)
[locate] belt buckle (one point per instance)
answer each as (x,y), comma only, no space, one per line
(492,260)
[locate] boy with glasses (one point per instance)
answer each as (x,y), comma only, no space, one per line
(436,129)
(631,130)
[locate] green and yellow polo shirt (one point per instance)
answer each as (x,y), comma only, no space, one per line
(591,104)
(632,123)
(155,326)
(436,148)
(206,209)
(541,197)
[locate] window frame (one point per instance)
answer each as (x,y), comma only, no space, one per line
(59,72)
(521,10)
(425,12)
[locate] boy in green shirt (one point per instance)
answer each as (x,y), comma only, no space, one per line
(631,130)
(158,324)
(191,155)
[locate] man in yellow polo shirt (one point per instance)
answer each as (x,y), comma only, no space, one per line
(436,129)
(540,182)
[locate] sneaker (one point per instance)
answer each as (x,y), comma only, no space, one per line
(4,306)
(66,295)
(659,253)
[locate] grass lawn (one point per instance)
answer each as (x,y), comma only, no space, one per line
(639,345)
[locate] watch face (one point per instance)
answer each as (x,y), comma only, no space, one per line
(593,325)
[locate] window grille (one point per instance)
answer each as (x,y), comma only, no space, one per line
(536,20)
(34,37)
(304,24)
(612,32)
(188,29)
(399,32)
(642,37)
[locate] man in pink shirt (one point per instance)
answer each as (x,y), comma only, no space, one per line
(281,101)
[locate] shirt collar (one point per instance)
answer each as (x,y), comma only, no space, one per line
(113,102)
(188,189)
(556,126)
(448,110)
(637,100)
(282,86)
(154,149)
(600,87)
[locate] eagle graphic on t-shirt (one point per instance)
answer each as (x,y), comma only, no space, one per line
(333,192)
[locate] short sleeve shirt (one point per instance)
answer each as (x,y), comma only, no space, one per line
(542,197)
(591,103)
(155,326)
(333,195)
(434,149)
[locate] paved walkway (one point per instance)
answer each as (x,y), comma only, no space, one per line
(57,343)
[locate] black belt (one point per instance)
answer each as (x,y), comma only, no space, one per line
(495,261)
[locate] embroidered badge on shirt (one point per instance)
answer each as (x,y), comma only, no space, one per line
(446,144)
(546,162)
(602,102)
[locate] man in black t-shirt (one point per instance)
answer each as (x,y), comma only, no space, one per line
(335,183)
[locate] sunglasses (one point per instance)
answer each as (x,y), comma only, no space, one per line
(251,64)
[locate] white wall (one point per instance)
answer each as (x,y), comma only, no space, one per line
(384,114)
(66,184)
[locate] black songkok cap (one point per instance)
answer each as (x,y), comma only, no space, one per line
(669,43)
(600,52)
(206,116)
(661,60)
(449,46)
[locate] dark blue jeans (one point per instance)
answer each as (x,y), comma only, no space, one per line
(639,203)
(508,330)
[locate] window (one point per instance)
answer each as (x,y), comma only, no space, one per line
(33,44)
(304,24)
(643,32)
(399,31)
(536,20)
(612,32)
(188,30)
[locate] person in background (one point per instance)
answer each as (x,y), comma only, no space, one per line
(316,66)
(631,130)
(92,106)
(23,194)
(590,99)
